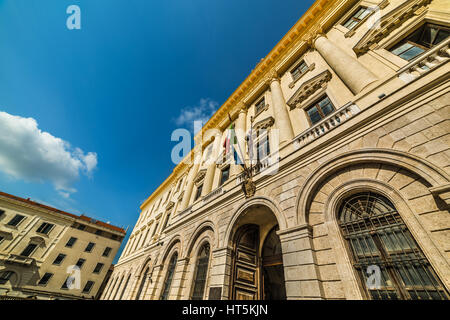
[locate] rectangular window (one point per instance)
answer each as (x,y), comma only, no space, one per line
(89,247)
(1,239)
(98,268)
(224,175)
(260,105)
(16,220)
(156,228)
(319,110)
(299,70)
(5,276)
(67,282)
(71,242)
(29,250)
(80,262)
(420,41)
(59,259)
(114,237)
(81,227)
(106,252)
(263,147)
(166,222)
(98,232)
(45,228)
(2,212)
(356,18)
(87,288)
(199,192)
(45,278)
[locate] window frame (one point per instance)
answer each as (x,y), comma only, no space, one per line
(403,39)
(101,268)
(198,192)
(221,181)
(43,225)
(90,287)
(316,104)
(109,252)
(48,280)
(4,280)
(60,254)
(31,252)
(18,222)
(92,248)
(358,21)
(67,243)
(82,263)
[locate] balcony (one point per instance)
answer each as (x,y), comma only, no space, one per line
(325,125)
(425,62)
(213,194)
(17,259)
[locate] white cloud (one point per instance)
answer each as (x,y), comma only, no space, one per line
(200,112)
(30,154)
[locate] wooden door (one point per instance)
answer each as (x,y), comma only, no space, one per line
(245,272)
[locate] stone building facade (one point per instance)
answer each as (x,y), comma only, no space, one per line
(349,121)
(40,245)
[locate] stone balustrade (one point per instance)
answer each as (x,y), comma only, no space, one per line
(425,62)
(325,125)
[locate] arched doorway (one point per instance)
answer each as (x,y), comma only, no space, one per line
(388,260)
(272,268)
(257,268)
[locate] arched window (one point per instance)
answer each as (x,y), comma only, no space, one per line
(388,260)
(169,276)
(143,281)
(125,287)
(200,273)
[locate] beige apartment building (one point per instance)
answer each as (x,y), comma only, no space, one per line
(348,197)
(41,247)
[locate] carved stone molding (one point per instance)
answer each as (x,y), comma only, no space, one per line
(264,124)
(308,88)
(170,205)
(312,36)
(311,67)
(389,23)
(200,176)
(271,75)
(442,192)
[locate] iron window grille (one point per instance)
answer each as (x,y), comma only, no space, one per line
(169,276)
(377,236)
(201,272)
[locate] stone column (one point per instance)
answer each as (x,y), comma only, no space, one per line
(179,279)
(211,170)
(348,68)
(220,272)
(301,274)
(240,126)
(282,120)
(190,185)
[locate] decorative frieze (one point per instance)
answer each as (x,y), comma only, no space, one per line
(388,24)
(308,88)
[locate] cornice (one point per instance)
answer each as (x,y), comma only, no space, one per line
(308,88)
(388,23)
(321,15)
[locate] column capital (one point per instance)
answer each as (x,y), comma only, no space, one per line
(313,35)
(272,75)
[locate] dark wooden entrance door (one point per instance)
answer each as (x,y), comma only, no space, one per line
(245,271)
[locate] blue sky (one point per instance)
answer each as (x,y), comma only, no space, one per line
(86,115)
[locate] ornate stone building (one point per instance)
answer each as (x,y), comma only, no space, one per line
(348,118)
(40,247)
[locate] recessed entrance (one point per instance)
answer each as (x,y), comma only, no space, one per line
(257,267)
